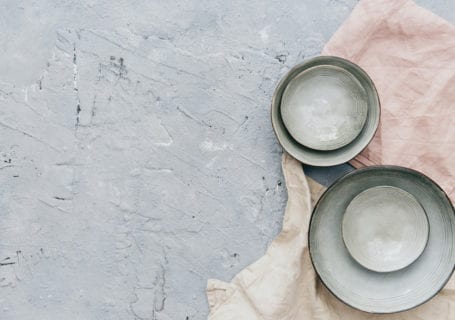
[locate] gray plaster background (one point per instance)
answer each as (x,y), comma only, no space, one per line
(137,156)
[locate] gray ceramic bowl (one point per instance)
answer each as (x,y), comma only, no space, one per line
(383,292)
(385,228)
(352,141)
(324,107)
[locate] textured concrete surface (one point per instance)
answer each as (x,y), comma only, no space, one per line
(137,155)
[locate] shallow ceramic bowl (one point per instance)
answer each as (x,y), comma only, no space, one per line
(383,292)
(324,107)
(351,142)
(385,228)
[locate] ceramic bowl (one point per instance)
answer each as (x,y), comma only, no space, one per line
(375,284)
(324,107)
(317,83)
(385,228)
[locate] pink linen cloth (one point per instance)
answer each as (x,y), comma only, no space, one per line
(410,54)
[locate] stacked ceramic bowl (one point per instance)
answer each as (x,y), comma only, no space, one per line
(325,111)
(382,239)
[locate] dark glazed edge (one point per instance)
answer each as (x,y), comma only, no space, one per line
(358,171)
(286,78)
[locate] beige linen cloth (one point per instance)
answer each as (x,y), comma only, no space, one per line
(410,55)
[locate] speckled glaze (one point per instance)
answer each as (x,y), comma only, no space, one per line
(383,292)
(342,154)
(324,108)
(385,228)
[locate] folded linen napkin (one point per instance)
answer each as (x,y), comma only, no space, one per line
(410,55)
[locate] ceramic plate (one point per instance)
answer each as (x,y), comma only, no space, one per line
(384,292)
(385,228)
(324,107)
(351,142)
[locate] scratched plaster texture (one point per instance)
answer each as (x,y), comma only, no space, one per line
(137,155)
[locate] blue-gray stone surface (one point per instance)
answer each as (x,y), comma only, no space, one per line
(137,155)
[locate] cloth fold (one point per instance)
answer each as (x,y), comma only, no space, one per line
(410,55)
(272,286)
